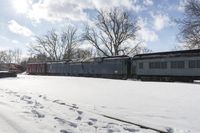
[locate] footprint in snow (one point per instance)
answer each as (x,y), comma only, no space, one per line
(112,127)
(38,105)
(59,102)
(17,95)
(79,112)
(63,121)
(90,123)
(43,97)
(26,99)
(60,120)
(75,106)
(72,109)
(65,131)
(79,118)
(93,119)
(131,129)
(112,124)
(37,114)
(113,130)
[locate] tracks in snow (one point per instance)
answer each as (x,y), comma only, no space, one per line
(168,130)
(37,110)
(139,125)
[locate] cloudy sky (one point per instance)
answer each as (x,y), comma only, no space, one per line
(21,20)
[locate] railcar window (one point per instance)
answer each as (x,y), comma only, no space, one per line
(163,65)
(177,64)
(157,65)
(140,65)
(194,64)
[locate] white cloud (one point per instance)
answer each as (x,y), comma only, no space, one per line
(145,34)
(99,4)
(59,10)
(21,6)
(148,2)
(19,29)
(181,6)
(160,21)
(133,5)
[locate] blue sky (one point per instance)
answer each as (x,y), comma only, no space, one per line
(21,20)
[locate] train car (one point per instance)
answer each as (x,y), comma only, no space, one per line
(75,68)
(56,68)
(16,68)
(4,74)
(37,68)
(107,67)
(167,66)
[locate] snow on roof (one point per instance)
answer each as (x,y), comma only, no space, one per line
(195,52)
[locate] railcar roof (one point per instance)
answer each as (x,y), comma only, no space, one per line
(36,63)
(100,58)
(85,60)
(106,58)
(195,52)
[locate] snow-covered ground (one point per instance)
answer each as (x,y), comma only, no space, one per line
(75,104)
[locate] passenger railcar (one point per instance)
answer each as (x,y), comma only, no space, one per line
(115,67)
(108,67)
(76,68)
(56,68)
(167,66)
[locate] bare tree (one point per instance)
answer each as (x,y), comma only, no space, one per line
(38,58)
(111,31)
(70,41)
(47,45)
(11,56)
(16,55)
(190,25)
(83,53)
(3,55)
(56,46)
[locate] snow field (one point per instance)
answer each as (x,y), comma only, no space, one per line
(157,104)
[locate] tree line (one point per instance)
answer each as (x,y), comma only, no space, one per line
(108,35)
(113,32)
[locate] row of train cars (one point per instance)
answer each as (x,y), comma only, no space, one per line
(161,66)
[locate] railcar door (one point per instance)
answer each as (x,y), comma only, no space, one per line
(128,67)
(133,68)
